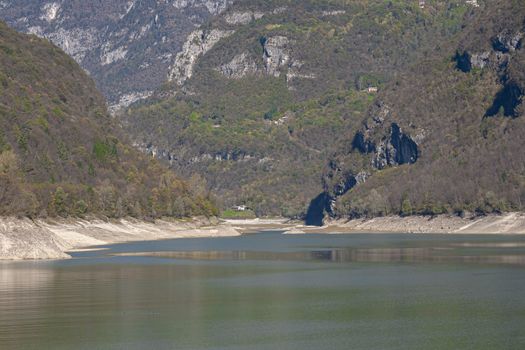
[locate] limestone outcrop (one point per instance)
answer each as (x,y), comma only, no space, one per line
(197,44)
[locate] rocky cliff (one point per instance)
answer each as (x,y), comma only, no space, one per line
(443,137)
(127,46)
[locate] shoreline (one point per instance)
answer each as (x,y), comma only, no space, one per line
(508,223)
(25,239)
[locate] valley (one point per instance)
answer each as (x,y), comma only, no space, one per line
(314,111)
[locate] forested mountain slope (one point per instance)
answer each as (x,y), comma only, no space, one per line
(447,134)
(60,152)
(369,107)
(259,95)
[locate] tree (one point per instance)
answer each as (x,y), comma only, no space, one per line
(406,207)
(59,202)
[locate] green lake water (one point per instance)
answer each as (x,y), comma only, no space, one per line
(273,291)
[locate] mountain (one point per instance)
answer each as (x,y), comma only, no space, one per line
(260,94)
(61,153)
(445,136)
(126,46)
(316,107)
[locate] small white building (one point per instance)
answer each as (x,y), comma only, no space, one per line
(239,207)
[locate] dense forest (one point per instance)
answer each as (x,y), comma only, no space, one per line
(61,154)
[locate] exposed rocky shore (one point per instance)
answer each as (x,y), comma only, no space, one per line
(509,223)
(25,239)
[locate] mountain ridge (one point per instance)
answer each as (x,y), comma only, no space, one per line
(260,94)
(61,154)
(340,108)
(126,46)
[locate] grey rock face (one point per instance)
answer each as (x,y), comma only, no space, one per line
(503,46)
(382,156)
(362,143)
(276,60)
(362,177)
(480,60)
(153,151)
(349,181)
(395,150)
(197,44)
(236,18)
(384,143)
(277,54)
(338,182)
(183,156)
(126,45)
(213,6)
(507,41)
(240,66)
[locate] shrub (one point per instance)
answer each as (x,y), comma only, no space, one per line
(59,202)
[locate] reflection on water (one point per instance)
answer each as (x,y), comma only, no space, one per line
(385,255)
(491,245)
(27,278)
(268,291)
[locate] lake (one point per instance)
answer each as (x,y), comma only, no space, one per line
(273,291)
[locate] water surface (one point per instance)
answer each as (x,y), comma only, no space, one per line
(272,291)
